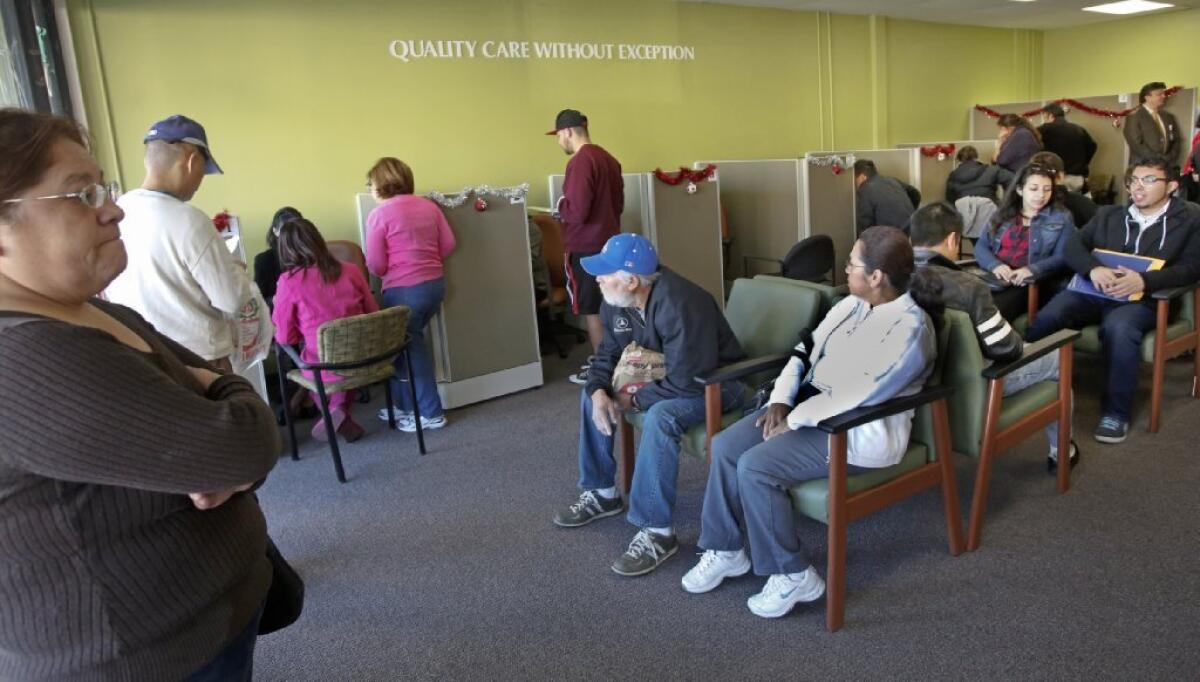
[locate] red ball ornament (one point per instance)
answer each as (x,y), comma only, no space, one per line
(836,168)
(480,205)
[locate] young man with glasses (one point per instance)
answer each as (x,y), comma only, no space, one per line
(1153,224)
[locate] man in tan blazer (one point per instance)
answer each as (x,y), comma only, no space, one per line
(1151,130)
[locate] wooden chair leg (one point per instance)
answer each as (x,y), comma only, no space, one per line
(1031,302)
(983,472)
(835,570)
(330,432)
(1196,345)
(712,416)
(1065,358)
(1160,362)
(628,455)
(945,455)
(283,400)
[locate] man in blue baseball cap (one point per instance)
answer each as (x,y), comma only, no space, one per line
(662,312)
(180,277)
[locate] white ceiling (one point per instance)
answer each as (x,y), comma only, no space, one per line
(1041,14)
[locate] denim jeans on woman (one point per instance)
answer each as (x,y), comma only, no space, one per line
(423,300)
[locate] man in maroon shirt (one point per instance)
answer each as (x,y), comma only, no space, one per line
(590,211)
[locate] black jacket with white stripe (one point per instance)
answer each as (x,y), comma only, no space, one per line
(966,292)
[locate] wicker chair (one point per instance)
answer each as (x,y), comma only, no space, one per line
(361,349)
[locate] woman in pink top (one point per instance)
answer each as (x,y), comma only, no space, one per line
(314,289)
(407,240)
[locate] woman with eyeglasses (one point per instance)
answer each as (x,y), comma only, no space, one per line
(407,240)
(129,547)
(876,344)
(1024,242)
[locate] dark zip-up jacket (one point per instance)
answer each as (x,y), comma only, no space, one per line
(966,292)
(1175,238)
(683,322)
(1073,144)
(883,201)
(975,179)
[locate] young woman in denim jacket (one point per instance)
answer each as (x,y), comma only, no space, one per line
(1026,239)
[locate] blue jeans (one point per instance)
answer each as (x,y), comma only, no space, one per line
(234,663)
(423,300)
(656,473)
(1044,368)
(748,484)
(1122,326)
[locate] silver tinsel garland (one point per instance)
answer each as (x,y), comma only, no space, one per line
(832,160)
(513,194)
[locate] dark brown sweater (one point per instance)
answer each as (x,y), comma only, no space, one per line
(107,571)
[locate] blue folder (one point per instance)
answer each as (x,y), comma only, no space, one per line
(1115,259)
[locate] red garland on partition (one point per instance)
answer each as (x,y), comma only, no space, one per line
(941,151)
(686,174)
(1076,104)
(221,221)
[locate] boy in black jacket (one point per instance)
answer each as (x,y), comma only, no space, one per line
(1153,224)
(935,231)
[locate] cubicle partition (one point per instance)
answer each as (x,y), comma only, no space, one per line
(635,215)
(934,171)
(685,228)
(763,210)
(828,202)
(484,339)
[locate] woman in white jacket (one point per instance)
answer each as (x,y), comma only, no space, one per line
(876,344)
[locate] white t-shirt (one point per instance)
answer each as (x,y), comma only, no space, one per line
(180,276)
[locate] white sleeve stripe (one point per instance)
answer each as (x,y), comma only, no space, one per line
(995,321)
(998,336)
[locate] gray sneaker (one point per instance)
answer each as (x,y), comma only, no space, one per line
(645,553)
(579,378)
(588,508)
(1111,430)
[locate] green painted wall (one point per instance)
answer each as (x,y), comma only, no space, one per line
(1159,47)
(300,98)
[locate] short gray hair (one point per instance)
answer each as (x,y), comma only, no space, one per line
(642,280)
(162,155)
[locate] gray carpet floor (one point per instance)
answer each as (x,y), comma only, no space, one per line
(447,566)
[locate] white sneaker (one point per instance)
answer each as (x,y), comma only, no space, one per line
(409,425)
(781,593)
(400,414)
(714,567)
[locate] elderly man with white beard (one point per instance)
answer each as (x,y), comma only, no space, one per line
(663,312)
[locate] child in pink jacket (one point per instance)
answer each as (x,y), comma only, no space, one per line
(314,288)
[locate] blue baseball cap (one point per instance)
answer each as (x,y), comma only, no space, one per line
(179,128)
(629,252)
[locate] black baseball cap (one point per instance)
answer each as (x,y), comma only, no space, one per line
(568,118)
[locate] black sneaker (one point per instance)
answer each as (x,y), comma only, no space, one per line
(645,553)
(588,508)
(1052,464)
(579,377)
(1111,430)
